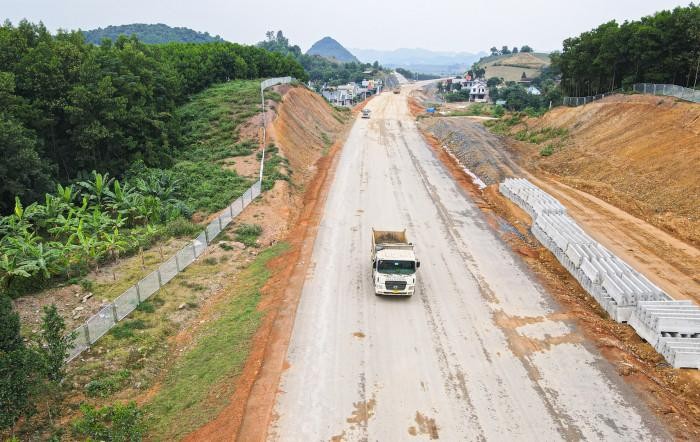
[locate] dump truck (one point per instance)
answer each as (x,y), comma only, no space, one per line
(394,263)
(365,113)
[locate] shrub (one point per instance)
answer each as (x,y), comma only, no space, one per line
(116,423)
(181,227)
(248,234)
(107,385)
(547,150)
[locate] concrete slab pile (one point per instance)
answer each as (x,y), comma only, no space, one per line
(673,327)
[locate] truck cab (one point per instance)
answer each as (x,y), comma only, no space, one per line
(394,263)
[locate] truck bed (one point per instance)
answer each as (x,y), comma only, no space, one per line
(389,237)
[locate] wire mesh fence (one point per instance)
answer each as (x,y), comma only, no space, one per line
(108,316)
(670,90)
(579,101)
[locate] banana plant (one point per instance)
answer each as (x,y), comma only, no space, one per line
(11,268)
(43,259)
(114,243)
(96,190)
(124,200)
(65,194)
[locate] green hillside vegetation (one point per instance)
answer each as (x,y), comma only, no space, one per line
(332,50)
(319,69)
(68,107)
(660,48)
(150,34)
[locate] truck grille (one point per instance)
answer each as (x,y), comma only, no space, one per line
(395,285)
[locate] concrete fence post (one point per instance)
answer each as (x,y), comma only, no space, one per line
(114,313)
(177,263)
(160,280)
(221,226)
(86,332)
(138,292)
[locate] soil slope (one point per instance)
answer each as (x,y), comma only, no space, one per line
(640,153)
(305,127)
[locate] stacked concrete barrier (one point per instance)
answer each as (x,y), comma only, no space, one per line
(673,327)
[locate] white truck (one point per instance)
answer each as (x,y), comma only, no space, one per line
(394,263)
(365,113)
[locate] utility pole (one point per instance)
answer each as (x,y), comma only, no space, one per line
(696,72)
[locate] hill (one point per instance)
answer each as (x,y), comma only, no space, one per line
(419,60)
(637,152)
(511,66)
(332,50)
(148,33)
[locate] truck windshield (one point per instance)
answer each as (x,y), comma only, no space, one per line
(396,267)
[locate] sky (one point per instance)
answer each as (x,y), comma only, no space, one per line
(446,25)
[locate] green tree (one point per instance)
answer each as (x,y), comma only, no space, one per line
(17,368)
(56,343)
(525,48)
(505,50)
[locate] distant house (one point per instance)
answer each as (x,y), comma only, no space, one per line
(478,91)
(344,95)
(532,90)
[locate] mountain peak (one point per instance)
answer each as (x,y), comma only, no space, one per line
(328,47)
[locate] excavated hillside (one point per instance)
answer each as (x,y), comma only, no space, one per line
(305,128)
(640,153)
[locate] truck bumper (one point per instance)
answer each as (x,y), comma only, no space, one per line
(382,291)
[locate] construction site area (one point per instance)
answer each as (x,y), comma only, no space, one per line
(616,180)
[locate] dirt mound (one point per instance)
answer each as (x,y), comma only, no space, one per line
(304,130)
(639,153)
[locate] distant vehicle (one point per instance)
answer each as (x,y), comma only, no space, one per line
(365,113)
(397,90)
(394,263)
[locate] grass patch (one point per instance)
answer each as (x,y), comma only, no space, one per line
(327,143)
(248,234)
(219,353)
(503,125)
(207,186)
(127,328)
(210,128)
(181,227)
(107,385)
(541,135)
(275,167)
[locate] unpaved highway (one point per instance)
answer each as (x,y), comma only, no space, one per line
(480,352)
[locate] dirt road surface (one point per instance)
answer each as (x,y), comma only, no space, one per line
(481,351)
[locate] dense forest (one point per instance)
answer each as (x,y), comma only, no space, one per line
(319,69)
(68,107)
(660,48)
(150,34)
